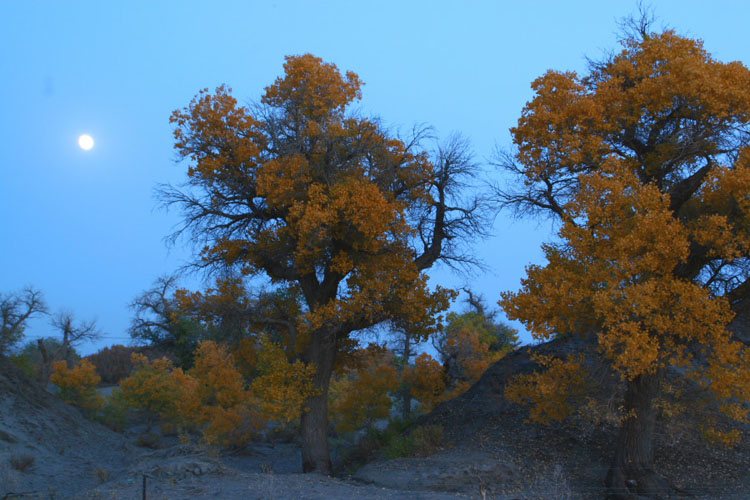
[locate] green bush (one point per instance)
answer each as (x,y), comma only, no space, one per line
(27,366)
(114,413)
(427,439)
(400,446)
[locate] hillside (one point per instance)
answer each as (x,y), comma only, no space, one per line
(490,453)
(579,450)
(62,443)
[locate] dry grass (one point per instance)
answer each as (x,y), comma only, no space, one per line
(22,463)
(102,474)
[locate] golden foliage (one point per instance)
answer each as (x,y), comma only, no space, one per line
(552,391)
(78,384)
(151,387)
(282,386)
(427,381)
(362,396)
(214,396)
(652,214)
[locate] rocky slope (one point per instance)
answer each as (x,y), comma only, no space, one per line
(47,447)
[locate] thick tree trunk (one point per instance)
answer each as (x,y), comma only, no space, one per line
(632,471)
(314,424)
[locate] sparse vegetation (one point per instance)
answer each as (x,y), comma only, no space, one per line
(102,474)
(22,463)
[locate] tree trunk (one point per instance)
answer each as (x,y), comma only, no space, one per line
(406,397)
(632,470)
(44,373)
(314,424)
(406,390)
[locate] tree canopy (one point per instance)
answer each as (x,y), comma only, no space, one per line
(301,191)
(645,161)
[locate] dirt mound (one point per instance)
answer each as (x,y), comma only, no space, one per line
(577,451)
(47,448)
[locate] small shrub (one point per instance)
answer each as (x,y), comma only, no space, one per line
(78,385)
(22,463)
(26,365)
(427,439)
(114,412)
(400,446)
(148,440)
(102,474)
(151,387)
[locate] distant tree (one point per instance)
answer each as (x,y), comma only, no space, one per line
(426,379)
(299,191)
(44,353)
(158,321)
(645,161)
(471,341)
(73,332)
(15,310)
(113,363)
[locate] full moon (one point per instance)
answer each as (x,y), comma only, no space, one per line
(86,142)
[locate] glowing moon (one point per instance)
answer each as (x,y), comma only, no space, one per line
(86,142)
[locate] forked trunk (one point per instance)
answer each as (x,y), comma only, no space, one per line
(314,423)
(632,471)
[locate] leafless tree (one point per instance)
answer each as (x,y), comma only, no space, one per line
(15,310)
(73,332)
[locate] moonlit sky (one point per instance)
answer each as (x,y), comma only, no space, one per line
(83,226)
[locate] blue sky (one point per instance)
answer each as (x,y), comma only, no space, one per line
(83,226)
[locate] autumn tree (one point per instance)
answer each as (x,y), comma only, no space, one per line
(472,341)
(300,191)
(362,395)
(158,321)
(77,385)
(15,310)
(645,162)
(426,380)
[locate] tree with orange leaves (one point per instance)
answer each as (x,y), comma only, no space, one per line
(646,163)
(299,191)
(362,395)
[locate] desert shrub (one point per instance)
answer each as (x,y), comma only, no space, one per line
(399,446)
(113,363)
(427,439)
(361,395)
(422,441)
(102,474)
(22,463)
(114,411)
(151,387)
(148,440)
(27,366)
(78,385)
